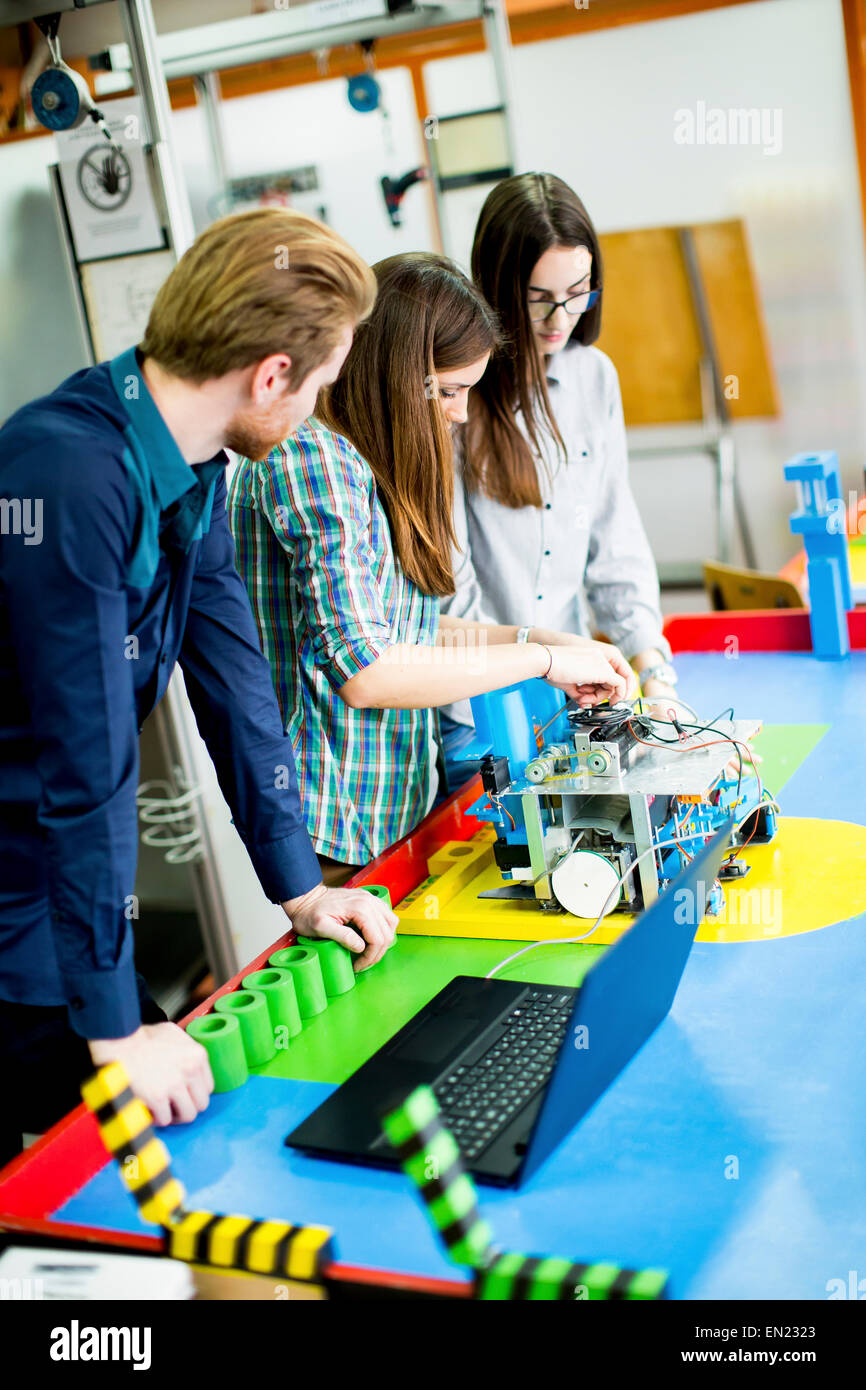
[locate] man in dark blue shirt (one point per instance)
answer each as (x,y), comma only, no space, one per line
(116,562)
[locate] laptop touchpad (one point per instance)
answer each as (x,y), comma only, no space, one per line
(436,1038)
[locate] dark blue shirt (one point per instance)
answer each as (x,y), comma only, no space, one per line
(116,561)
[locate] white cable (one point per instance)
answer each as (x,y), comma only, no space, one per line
(183,845)
(172,806)
(573,940)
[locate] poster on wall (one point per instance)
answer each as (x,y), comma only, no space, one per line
(108,194)
(118,294)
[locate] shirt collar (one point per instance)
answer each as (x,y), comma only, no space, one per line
(172,475)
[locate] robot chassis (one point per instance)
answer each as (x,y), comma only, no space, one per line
(578,796)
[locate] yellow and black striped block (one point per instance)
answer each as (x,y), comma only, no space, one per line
(199,1237)
(126,1127)
(261,1247)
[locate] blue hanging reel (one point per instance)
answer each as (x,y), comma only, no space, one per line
(61,98)
(364,92)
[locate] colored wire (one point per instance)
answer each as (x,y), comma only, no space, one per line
(503,810)
(669,699)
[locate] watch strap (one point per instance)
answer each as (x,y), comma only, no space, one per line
(660,671)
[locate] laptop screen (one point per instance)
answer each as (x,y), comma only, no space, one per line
(623,999)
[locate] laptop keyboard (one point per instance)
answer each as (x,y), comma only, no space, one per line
(478,1100)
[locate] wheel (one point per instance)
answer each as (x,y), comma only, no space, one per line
(583,882)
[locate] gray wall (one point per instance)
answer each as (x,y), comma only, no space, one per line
(40,340)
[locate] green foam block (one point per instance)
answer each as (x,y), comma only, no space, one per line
(306,971)
(379,891)
(336,962)
(250,1008)
(220,1036)
(278,987)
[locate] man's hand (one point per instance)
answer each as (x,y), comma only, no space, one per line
(656,694)
(167,1069)
(356,919)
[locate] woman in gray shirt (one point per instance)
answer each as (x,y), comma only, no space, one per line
(548,531)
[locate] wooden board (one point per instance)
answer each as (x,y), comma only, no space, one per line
(651,330)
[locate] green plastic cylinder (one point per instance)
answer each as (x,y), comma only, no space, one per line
(307,974)
(278,987)
(379,891)
(220,1036)
(251,1011)
(336,962)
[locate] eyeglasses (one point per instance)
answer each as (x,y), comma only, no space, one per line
(541,309)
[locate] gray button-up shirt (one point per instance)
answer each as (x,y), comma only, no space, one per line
(580,562)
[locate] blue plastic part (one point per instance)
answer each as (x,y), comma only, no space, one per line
(821,521)
(506,722)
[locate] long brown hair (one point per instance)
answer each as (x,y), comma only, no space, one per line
(522,217)
(428,317)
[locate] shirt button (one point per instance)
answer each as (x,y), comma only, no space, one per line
(163,659)
(541,596)
(547,552)
(77,1002)
(547,506)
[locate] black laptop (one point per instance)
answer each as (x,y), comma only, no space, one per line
(515,1066)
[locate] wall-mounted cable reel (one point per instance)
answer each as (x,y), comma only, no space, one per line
(60,97)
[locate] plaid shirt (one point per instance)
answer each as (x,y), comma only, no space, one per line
(314,548)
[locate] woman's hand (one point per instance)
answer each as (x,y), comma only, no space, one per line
(585,674)
(611,653)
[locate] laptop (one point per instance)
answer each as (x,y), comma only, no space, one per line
(516,1066)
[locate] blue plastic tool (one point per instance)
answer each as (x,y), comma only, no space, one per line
(820,520)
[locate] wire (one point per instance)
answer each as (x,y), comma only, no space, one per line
(768,801)
(497,804)
(679,826)
(573,940)
(669,699)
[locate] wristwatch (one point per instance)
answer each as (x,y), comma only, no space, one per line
(662,671)
(523,634)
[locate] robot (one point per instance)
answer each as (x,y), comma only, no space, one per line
(597,810)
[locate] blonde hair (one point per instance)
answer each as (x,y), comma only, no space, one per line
(267,281)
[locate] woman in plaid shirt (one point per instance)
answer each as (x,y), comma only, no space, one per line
(343,536)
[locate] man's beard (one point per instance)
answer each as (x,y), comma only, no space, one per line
(253,434)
